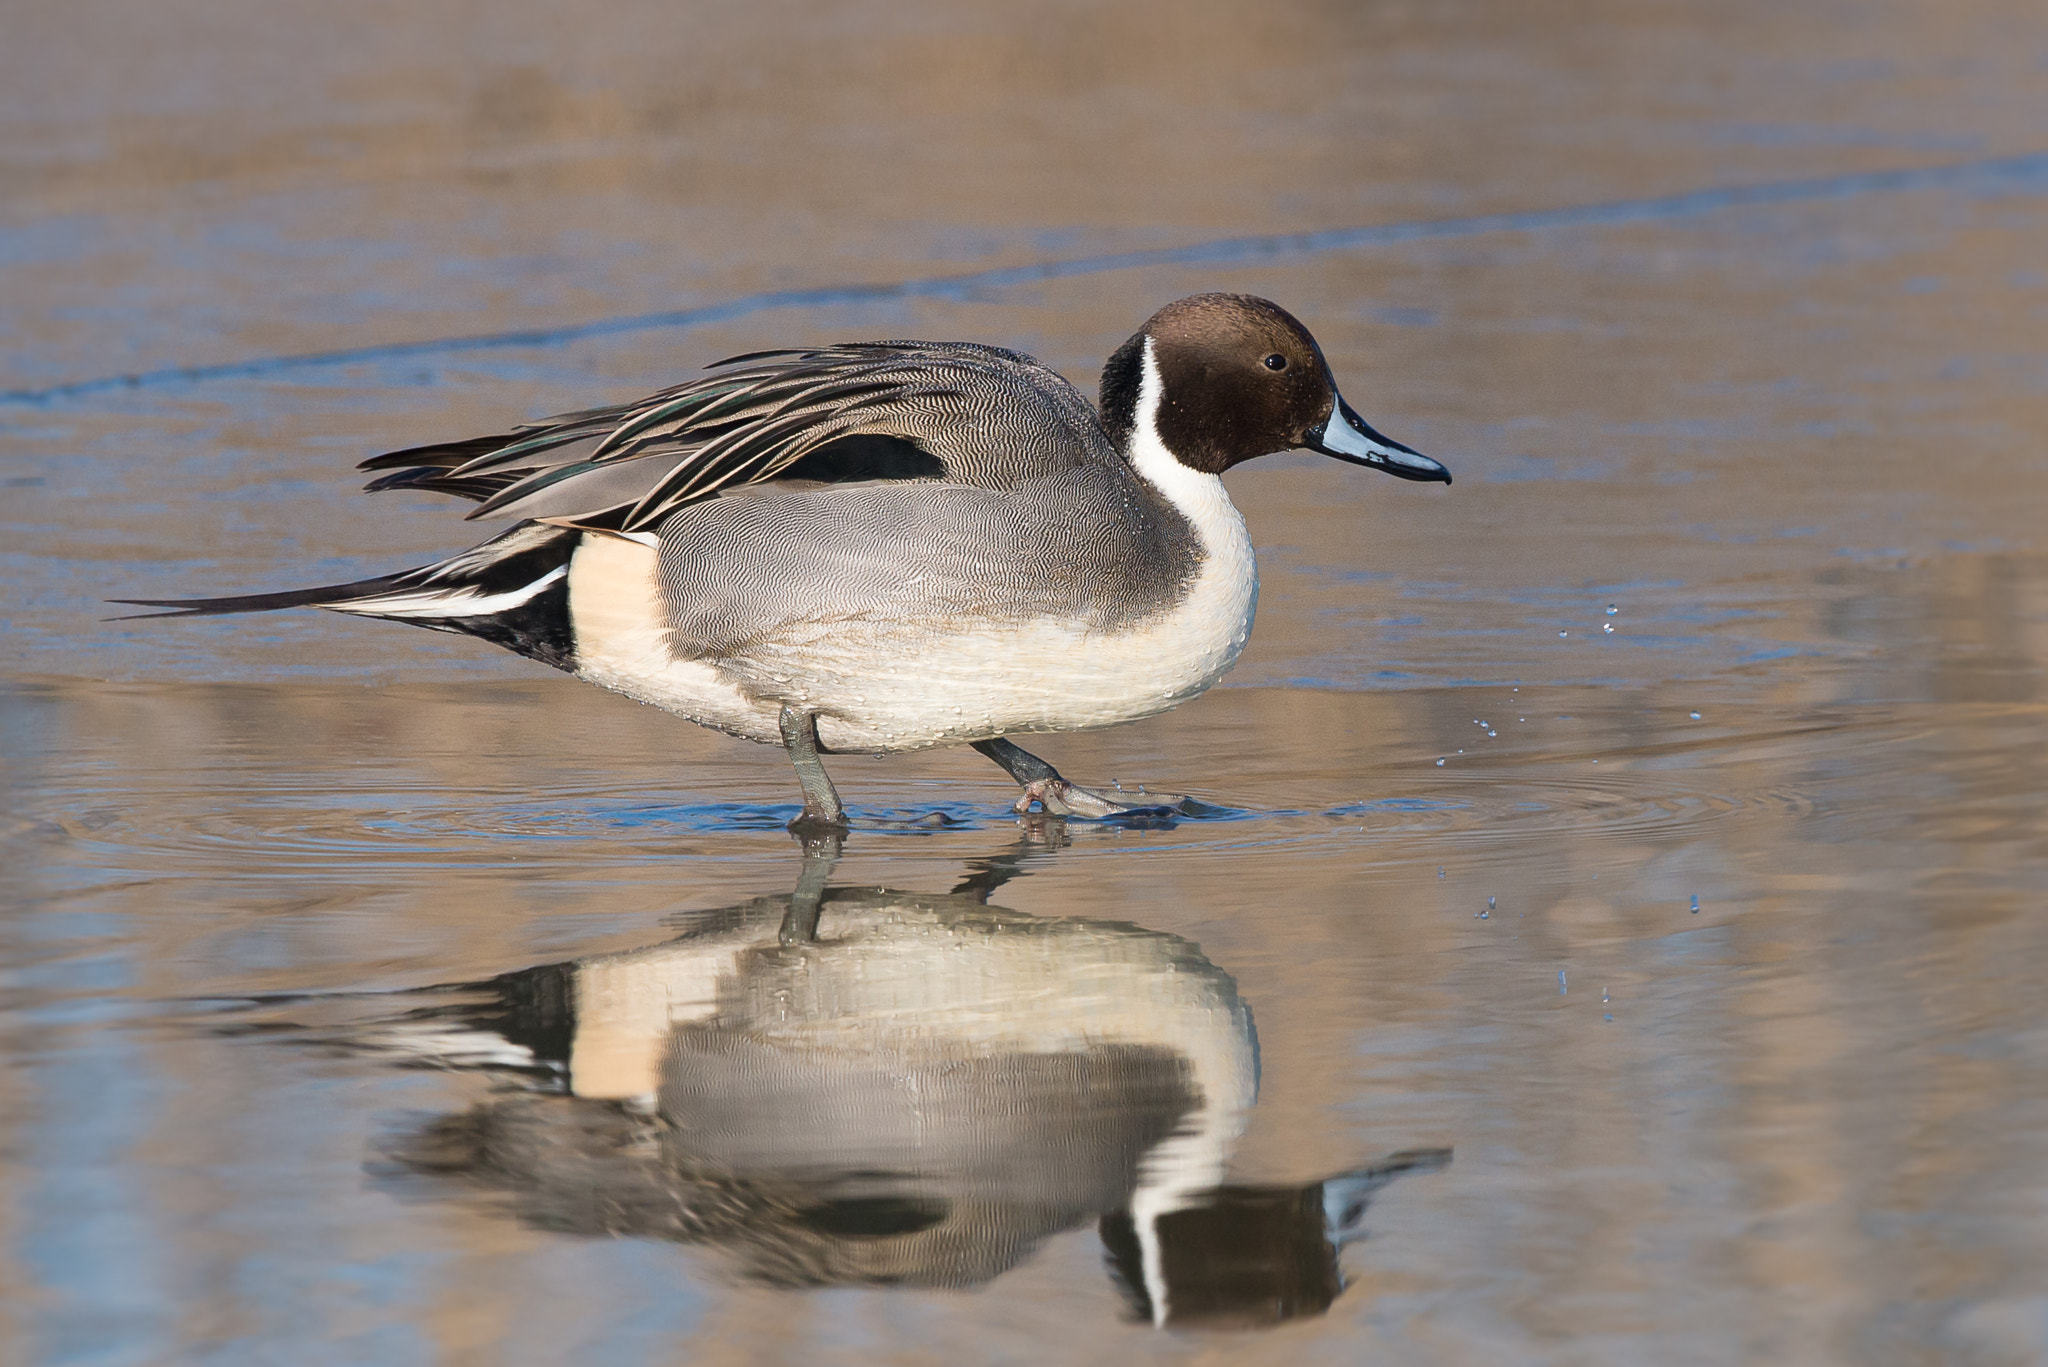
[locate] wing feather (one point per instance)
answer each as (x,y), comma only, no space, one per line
(990,417)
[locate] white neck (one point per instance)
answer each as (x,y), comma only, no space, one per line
(1199,495)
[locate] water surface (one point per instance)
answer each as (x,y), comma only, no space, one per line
(1618,933)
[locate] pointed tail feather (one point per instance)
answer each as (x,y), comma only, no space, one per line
(512,590)
(330,595)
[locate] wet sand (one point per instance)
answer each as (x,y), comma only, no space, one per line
(1740,601)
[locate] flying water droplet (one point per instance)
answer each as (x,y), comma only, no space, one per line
(1493,733)
(1564,633)
(1603,996)
(1562,988)
(1439,764)
(1695,716)
(1439,873)
(1612,609)
(1695,904)
(1489,904)
(1607,628)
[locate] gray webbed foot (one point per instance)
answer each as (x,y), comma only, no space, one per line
(1057,797)
(1054,796)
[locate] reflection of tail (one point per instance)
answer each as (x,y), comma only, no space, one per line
(512,591)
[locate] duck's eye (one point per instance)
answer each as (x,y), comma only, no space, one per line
(1276,362)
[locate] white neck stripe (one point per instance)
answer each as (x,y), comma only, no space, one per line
(1197,494)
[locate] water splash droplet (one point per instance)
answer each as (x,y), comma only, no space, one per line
(1439,764)
(1493,733)
(1695,716)
(1607,628)
(1439,873)
(1489,904)
(1564,633)
(1603,996)
(1562,988)
(1612,609)
(1695,904)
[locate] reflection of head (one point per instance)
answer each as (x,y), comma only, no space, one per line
(1246,1256)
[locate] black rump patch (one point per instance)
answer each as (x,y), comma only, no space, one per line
(539,628)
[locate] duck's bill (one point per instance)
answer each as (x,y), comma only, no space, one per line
(1345,436)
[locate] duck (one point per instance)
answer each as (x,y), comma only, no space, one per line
(880,547)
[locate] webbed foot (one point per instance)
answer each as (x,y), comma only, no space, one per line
(1057,797)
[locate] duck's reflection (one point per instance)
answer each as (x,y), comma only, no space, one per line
(868,1086)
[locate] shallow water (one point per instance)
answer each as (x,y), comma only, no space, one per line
(1533,991)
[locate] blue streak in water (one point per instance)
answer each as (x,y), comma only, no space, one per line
(2023,173)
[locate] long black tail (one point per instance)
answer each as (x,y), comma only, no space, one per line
(512,590)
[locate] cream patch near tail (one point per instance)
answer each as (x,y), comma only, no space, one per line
(623,642)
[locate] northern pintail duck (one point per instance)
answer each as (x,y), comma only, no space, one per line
(884,546)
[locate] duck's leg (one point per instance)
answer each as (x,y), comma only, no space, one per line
(822,809)
(1042,784)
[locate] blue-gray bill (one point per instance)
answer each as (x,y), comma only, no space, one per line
(1349,437)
